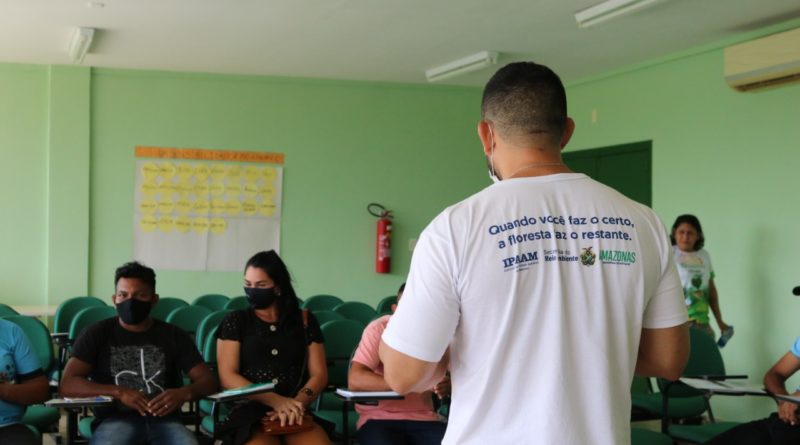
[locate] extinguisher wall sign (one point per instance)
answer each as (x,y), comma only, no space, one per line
(383,238)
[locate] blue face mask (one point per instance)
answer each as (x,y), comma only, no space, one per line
(260,298)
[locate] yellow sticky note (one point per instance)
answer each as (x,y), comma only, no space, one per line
(148,206)
(234,208)
(234,171)
(218,226)
(218,171)
(233,189)
(218,207)
(184,188)
(266,208)
(267,191)
(149,188)
(185,171)
(166,188)
(201,190)
(251,173)
(183,224)
(200,225)
(250,189)
(217,189)
(201,207)
(149,171)
(166,170)
(183,206)
(249,207)
(165,206)
(148,223)
(201,172)
(166,224)
(269,174)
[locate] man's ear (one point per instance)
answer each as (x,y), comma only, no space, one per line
(569,128)
(155,300)
(485,135)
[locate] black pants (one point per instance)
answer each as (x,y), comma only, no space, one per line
(769,431)
(18,434)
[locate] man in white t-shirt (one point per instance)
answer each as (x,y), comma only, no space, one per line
(549,289)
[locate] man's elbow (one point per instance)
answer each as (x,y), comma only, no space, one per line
(398,382)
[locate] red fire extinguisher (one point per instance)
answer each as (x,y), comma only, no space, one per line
(383,240)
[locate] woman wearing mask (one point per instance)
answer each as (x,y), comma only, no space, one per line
(697,275)
(272,341)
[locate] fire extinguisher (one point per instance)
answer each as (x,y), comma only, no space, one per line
(383,240)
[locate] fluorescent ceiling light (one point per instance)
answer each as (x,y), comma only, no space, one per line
(462,66)
(609,9)
(80,43)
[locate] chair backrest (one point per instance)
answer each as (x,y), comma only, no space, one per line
(211,321)
(39,336)
(341,338)
(7,310)
(326,316)
(385,305)
(237,303)
(356,310)
(210,347)
(213,302)
(188,318)
(165,306)
(89,316)
(67,309)
(704,359)
(322,302)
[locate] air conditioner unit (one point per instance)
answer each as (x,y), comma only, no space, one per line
(765,62)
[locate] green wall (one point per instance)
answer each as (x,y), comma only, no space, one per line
(732,159)
(412,148)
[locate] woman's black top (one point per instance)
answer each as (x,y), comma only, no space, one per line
(271,352)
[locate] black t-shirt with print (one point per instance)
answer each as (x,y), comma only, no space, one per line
(149,361)
(271,352)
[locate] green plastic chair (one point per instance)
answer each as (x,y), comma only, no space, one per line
(358,311)
(326,316)
(341,339)
(237,303)
(67,310)
(188,318)
(41,417)
(87,317)
(385,305)
(165,306)
(212,302)
(208,324)
(704,360)
(322,303)
(7,310)
(209,350)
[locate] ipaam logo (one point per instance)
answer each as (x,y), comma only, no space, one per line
(587,256)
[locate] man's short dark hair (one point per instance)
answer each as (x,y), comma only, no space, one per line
(134,269)
(525,99)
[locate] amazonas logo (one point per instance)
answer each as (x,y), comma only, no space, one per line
(587,256)
(623,257)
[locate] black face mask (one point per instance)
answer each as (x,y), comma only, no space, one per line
(260,298)
(133,311)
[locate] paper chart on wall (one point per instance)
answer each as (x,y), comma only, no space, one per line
(205,210)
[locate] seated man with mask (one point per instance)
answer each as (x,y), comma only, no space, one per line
(138,361)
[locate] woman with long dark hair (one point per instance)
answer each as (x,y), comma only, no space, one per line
(697,275)
(272,341)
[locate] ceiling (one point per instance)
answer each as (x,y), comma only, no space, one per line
(370,40)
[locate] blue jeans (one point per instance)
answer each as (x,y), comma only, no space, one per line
(136,430)
(401,432)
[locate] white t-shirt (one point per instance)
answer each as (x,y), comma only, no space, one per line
(540,287)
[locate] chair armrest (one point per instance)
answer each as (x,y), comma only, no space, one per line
(718,376)
(80,402)
(234,394)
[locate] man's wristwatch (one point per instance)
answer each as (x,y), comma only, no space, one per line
(307,391)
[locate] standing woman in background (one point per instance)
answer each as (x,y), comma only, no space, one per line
(271,342)
(697,275)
